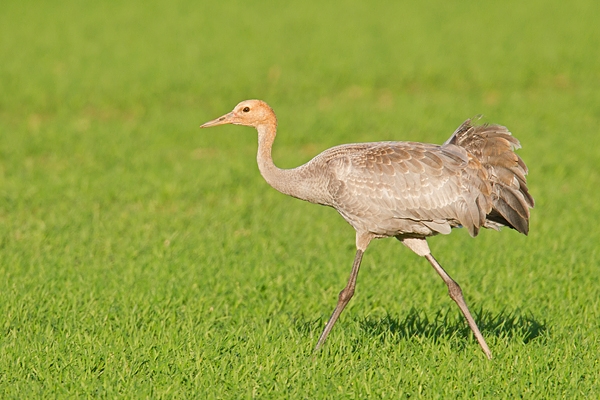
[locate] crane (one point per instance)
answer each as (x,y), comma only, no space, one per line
(406,190)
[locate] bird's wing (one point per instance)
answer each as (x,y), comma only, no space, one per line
(399,186)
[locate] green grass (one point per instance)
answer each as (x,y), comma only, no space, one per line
(143,258)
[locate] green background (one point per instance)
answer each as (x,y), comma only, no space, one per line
(141,257)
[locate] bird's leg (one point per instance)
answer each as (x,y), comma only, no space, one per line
(343,299)
(456,294)
(420,247)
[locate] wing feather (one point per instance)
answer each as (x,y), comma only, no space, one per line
(407,188)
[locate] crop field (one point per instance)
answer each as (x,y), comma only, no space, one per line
(142,257)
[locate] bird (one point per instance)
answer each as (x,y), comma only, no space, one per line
(407,190)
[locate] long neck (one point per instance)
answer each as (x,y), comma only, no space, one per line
(287,181)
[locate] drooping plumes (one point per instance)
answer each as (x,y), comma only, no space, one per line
(494,147)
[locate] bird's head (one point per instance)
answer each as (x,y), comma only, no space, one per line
(249,113)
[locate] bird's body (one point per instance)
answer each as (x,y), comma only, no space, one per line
(395,188)
(406,190)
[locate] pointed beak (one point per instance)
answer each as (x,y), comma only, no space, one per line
(225,119)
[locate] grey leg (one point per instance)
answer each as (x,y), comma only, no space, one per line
(456,294)
(343,299)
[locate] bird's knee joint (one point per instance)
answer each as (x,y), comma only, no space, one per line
(454,291)
(346,294)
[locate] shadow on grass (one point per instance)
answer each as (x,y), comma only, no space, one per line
(505,324)
(448,324)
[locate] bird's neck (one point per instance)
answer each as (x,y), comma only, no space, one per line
(286,181)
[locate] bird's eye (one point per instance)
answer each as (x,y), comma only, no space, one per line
(246,109)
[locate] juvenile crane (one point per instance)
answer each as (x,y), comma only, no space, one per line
(406,190)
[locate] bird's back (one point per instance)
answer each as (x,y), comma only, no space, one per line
(415,189)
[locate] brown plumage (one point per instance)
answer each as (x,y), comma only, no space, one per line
(406,190)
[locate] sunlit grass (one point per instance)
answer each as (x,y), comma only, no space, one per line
(141,257)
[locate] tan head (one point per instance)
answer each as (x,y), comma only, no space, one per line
(249,113)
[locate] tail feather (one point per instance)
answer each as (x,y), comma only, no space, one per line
(494,147)
(511,205)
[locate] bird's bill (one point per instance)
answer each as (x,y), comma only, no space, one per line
(225,119)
